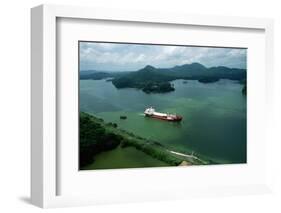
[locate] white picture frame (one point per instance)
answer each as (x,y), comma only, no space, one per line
(44,154)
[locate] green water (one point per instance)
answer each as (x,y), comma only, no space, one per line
(214,115)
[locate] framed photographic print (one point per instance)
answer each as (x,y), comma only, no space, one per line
(148,105)
(170,105)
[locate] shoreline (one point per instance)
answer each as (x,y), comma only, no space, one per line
(152,148)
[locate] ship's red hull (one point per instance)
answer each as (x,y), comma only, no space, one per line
(165,118)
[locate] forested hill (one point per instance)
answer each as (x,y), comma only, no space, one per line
(151,79)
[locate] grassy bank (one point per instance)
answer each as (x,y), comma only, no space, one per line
(120,158)
(96,136)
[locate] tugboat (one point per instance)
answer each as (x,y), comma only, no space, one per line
(150,112)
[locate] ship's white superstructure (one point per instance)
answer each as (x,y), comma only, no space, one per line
(150,112)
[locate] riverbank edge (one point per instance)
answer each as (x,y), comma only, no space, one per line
(152,148)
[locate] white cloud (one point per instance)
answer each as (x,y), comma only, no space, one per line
(113,56)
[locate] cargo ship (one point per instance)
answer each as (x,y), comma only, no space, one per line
(150,112)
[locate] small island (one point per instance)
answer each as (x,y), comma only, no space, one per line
(146,79)
(154,87)
(244,89)
(158,80)
(209,80)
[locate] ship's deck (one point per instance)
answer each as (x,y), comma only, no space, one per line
(160,114)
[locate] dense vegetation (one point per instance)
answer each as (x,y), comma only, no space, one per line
(162,87)
(151,79)
(244,90)
(208,79)
(155,150)
(146,79)
(94,139)
(97,136)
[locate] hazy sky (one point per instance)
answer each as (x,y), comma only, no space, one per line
(131,57)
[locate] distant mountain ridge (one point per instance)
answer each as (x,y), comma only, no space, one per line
(193,70)
(152,79)
(197,70)
(98,75)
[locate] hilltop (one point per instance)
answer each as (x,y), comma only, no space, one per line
(151,79)
(148,79)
